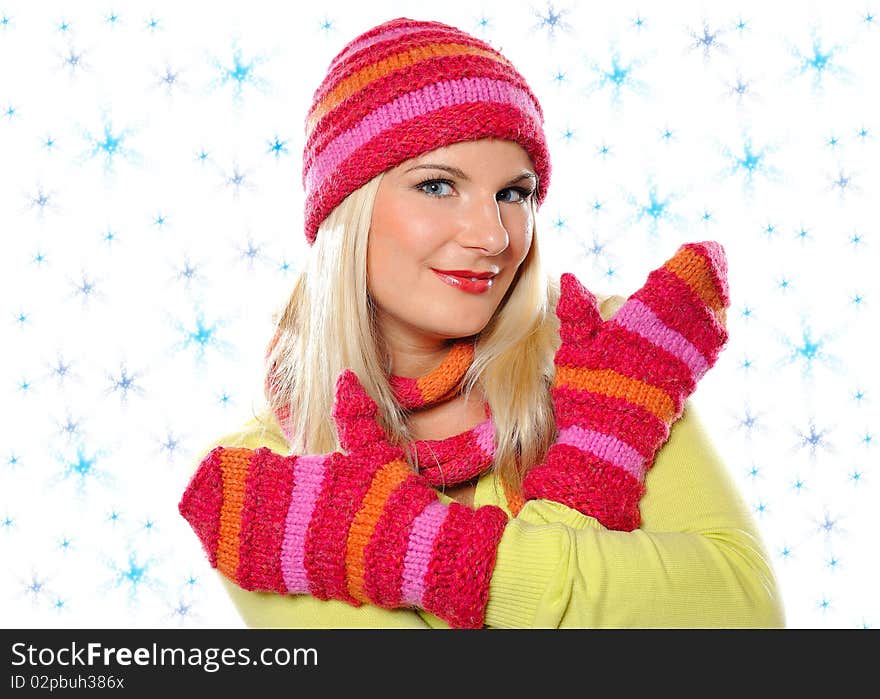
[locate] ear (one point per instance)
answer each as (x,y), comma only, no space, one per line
(577,310)
(355,415)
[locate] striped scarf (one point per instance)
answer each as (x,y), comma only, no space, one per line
(442,462)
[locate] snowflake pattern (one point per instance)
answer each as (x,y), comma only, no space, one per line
(150,177)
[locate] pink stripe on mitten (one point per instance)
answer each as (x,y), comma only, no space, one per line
(357,527)
(620,384)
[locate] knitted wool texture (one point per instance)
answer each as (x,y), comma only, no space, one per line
(442,462)
(620,384)
(447,462)
(618,388)
(439,384)
(364,528)
(405,88)
(358,527)
(412,393)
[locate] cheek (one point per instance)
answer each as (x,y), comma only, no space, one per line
(403,234)
(385,273)
(396,250)
(520,229)
(527,239)
(383,243)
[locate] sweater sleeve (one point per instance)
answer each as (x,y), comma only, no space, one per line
(697,561)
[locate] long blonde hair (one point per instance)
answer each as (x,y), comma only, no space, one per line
(328,324)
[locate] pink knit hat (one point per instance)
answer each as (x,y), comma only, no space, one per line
(405,88)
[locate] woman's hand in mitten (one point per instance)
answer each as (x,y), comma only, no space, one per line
(620,384)
(360,526)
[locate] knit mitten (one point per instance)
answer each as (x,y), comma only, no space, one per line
(620,384)
(360,526)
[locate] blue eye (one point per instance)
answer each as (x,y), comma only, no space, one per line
(523,194)
(431,187)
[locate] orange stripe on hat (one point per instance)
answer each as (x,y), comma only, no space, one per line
(422,103)
(356,82)
(611,383)
(234,468)
(694,270)
(385,482)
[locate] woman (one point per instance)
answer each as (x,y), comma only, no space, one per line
(496,459)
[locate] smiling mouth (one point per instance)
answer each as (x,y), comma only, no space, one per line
(467,274)
(479,284)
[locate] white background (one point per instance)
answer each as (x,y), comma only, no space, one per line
(149,229)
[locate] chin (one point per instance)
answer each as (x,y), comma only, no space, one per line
(459,329)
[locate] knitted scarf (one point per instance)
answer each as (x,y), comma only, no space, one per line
(456,459)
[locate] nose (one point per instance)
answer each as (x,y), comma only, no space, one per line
(481,228)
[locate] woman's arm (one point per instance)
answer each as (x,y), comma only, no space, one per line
(697,561)
(549,547)
(269,610)
(695,558)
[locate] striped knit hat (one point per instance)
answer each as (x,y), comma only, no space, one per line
(405,88)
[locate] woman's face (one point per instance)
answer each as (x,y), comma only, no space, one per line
(440,220)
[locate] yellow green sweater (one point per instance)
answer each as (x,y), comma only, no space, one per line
(697,561)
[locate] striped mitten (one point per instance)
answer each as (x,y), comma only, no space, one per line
(361,526)
(621,383)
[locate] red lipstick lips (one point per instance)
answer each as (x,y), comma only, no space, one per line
(468,274)
(467,280)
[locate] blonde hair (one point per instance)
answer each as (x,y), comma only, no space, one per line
(328,324)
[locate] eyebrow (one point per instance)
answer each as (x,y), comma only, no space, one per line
(461,174)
